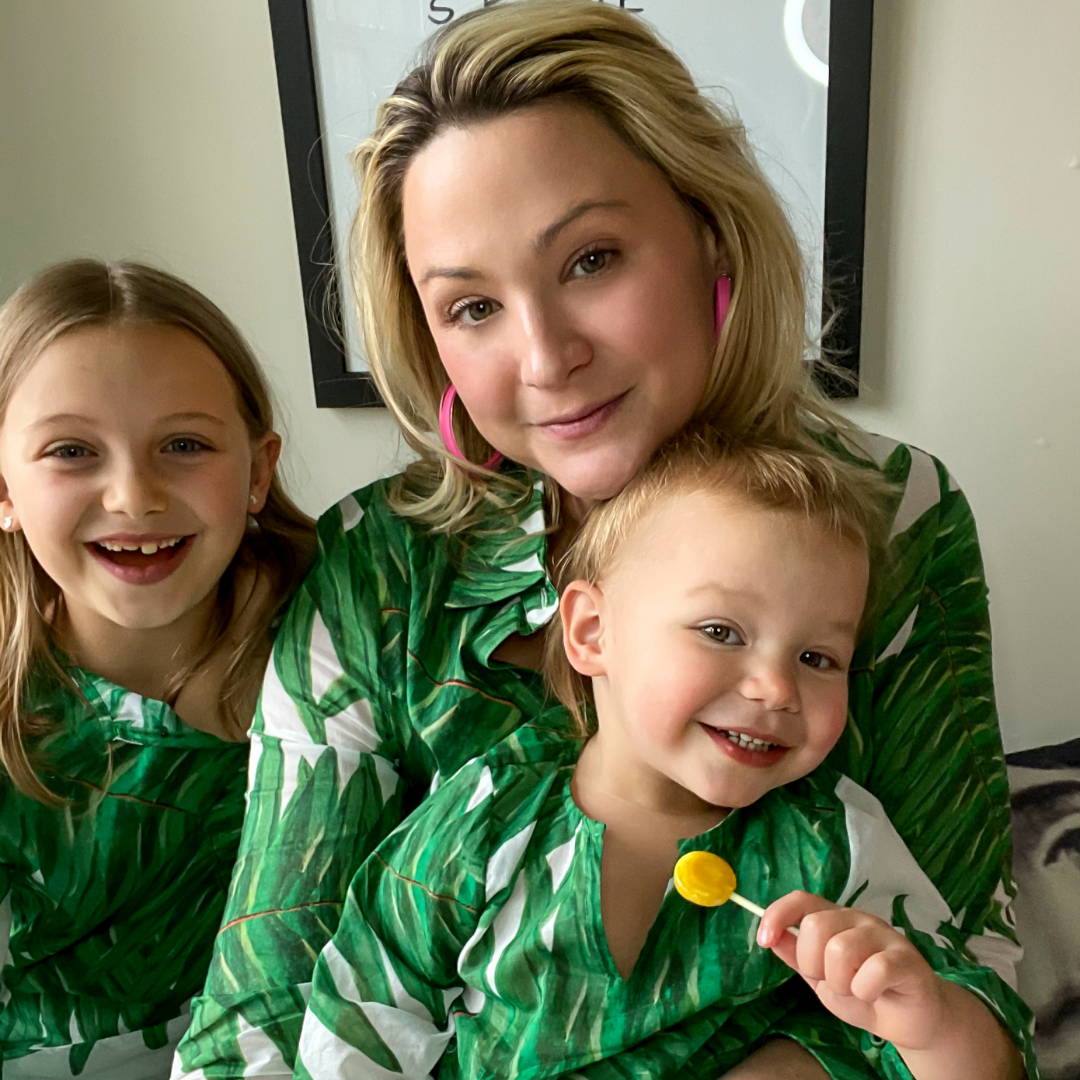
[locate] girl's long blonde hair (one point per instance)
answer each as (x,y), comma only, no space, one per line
(495,60)
(85,293)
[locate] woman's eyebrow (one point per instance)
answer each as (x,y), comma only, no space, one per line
(541,242)
(547,237)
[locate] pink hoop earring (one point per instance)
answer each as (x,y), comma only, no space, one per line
(446,429)
(723,301)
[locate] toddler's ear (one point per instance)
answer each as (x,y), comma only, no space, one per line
(581,610)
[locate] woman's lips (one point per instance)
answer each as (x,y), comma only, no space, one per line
(585,423)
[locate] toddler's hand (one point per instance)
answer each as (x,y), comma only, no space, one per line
(862,970)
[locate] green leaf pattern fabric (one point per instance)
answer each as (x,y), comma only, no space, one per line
(478,920)
(113,902)
(382,685)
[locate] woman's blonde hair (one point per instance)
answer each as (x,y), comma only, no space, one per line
(498,59)
(85,293)
(847,501)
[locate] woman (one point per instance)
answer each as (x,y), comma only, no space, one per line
(552,215)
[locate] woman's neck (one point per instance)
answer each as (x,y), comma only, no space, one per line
(141,660)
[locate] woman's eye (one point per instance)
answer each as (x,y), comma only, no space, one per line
(471,312)
(817,660)
(722,634)
(592,262)
(185,445)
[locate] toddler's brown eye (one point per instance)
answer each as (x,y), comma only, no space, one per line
(722,635)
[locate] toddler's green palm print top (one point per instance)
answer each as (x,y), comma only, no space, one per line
(382,682)
(478,920)
(110,905)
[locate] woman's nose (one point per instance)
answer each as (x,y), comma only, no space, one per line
(133,489)
(551,348)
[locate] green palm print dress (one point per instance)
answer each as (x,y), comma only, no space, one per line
(475,929)
(110,905)
(382,684)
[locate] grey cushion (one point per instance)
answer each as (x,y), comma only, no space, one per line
(1046,835)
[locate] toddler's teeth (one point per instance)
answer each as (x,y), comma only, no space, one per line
(148,549)
(747,742)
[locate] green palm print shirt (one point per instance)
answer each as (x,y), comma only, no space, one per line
(478,923)
(110,905)
(382,684)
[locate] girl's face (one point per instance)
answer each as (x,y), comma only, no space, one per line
(718,647)
(568,290)
(125,461)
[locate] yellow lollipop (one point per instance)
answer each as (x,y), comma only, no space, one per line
(708,881)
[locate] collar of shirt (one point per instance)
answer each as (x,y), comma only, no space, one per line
(120,715)
(504,568)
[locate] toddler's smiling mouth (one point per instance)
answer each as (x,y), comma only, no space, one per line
(745,748)
(748,742)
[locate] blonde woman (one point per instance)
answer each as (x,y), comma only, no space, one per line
(564,253)
(146,547)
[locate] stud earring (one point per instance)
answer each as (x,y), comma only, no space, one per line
(7,523)
(252,499)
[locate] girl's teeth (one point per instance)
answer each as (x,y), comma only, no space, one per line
(148,548)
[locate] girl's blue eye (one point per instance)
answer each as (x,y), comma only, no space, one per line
(185,445)
(817,660)
(592,262)
(471,312)
(722,634)
(68,452)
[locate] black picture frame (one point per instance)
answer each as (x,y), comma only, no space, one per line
(336,386)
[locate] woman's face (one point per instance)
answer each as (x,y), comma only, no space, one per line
(569,291)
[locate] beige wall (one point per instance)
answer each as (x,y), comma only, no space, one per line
(150,128)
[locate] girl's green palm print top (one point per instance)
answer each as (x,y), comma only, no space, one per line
(478,921)
(382,684)
(110,905)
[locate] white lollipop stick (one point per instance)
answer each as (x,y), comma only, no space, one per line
(756,909)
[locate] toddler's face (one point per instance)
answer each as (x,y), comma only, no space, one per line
(128,466)
(727,632)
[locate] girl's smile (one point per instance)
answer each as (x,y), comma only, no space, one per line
(141,560)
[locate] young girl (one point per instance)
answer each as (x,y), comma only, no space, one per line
(524,911)
(146,547)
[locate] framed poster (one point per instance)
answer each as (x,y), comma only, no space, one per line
(796,71)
